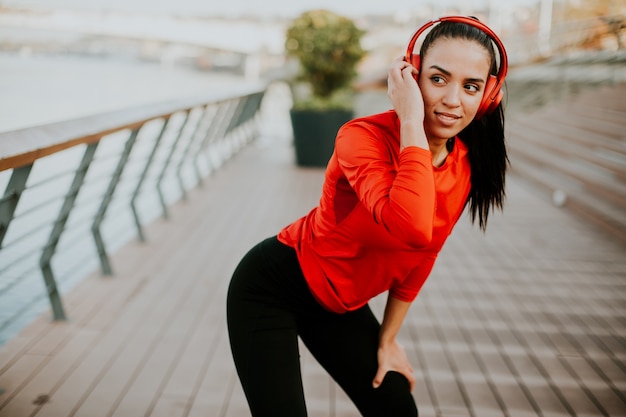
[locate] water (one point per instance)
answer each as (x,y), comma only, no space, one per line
(35,90)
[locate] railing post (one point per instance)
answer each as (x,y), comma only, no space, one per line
(229,107)
(108,196)
(254,112)
(216,120)
(237,114)
(258,102)
(167,163)
(234,117)
(190,143)
(207,133)
(49,249)
(248,110)
(12,194)
(142,179)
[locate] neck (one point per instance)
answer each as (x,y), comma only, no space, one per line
(438,150)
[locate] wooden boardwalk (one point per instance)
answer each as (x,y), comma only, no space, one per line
(577,149)
(527,320)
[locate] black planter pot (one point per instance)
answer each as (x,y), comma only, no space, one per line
(314,134)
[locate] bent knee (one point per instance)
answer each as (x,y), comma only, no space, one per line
(395,397)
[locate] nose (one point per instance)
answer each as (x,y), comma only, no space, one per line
(452,96)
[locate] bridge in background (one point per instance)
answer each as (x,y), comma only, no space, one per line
(255,47)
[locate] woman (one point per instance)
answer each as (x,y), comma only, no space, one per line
(394,188)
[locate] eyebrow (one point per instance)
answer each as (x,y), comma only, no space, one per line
(446,72)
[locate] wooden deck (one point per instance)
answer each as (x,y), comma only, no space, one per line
(578,149)
(527,320)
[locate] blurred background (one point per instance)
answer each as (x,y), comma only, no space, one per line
(65,59)
(528,319)
(61,59)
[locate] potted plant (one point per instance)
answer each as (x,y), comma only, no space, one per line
(327,47)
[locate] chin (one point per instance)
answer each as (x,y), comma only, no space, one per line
(443,134)
(438,131)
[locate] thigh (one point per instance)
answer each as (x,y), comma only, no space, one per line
(264,341)
(346,345)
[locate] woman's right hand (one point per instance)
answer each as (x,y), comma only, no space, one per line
(407,101)
(404,92)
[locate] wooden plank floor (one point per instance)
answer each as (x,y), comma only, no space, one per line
(526,320)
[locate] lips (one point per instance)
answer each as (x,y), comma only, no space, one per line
(447,118)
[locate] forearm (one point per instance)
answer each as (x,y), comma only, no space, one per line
(412,134)
(395,312)
(391,356)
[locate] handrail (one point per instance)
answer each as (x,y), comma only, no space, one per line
(156,151)
(24,146)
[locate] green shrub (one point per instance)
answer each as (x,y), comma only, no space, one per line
(328,48)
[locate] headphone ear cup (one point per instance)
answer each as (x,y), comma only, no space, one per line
(495,102)
(416,61)
(488,105)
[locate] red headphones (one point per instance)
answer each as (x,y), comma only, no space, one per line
(493,88)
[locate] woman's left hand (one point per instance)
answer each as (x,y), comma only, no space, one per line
(391,357)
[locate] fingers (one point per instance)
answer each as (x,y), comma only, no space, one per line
(401,78)
(400,67)
(398,74)
(391,357)
(378,379)
(407,373)
(403,91)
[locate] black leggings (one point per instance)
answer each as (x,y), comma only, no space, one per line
(269,306)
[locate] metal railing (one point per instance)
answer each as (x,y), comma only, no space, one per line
(77,190)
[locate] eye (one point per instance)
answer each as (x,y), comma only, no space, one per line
(472,88)
(437,79)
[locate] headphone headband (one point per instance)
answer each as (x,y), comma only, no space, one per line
(503,67)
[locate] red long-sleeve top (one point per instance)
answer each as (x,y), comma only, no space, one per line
(383,216)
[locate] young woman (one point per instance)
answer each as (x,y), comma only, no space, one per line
(394,188)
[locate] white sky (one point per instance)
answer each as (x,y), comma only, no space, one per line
(260,7)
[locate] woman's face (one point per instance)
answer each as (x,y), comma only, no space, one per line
(452,78)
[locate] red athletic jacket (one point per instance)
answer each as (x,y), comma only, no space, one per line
(383,216)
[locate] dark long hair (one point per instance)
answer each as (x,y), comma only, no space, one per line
(484,137)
